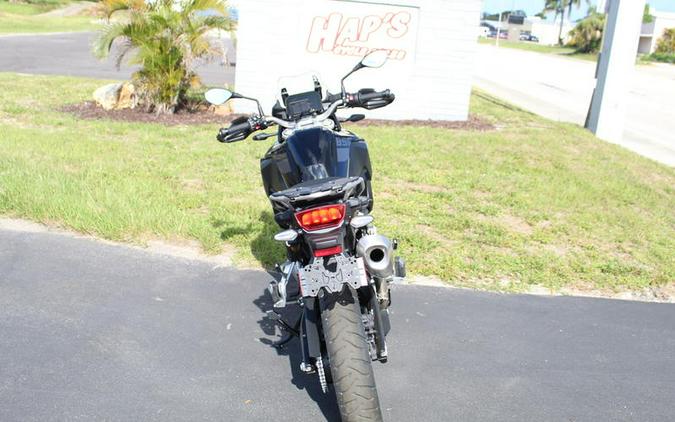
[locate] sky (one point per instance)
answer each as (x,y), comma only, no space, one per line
(532,7)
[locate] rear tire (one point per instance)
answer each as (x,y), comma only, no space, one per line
(350,363)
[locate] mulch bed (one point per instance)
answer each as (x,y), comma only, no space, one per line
(91,111)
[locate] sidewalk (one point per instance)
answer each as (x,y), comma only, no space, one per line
(560,88)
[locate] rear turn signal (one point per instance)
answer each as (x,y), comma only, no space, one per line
(321,217)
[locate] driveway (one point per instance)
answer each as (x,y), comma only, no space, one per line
(560,88)
(94,331)
(70,54)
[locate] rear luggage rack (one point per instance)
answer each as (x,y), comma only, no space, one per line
(343,188)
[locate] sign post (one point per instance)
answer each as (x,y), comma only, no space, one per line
(615,68)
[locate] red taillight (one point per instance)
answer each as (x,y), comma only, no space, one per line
(322,217)
(328,251)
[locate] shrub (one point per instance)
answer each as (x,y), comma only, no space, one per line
(647,17)
(164,37)
(666,44)
(586,37)
(662,57)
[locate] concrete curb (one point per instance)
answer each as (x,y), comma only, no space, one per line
(191,250)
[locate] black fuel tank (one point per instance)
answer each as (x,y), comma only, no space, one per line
(312,154)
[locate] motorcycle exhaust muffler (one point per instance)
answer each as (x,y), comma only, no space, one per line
(377,252)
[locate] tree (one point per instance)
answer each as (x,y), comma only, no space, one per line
(164,37)
(646,16)
(559,6)
(586,37)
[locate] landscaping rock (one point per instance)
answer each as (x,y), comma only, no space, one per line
(107,95)
(223,109)
(127,96)
(116,96)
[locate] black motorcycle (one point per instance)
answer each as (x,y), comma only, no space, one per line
(338,269)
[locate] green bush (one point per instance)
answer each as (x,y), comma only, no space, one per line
(666,44)
(662,57)
(647,17)
(164,37)
(586,37)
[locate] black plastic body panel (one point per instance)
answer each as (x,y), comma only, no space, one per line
(313,154)
(309,330)
(325,240)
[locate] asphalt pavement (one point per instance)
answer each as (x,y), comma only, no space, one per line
(560,88)
(95,331)
(71,54)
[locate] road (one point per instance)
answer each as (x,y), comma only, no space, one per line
(560,88)
(95,331)
(70,54)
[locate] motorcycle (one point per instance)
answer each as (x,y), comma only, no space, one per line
(317,176)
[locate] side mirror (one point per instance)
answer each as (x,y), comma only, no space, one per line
(218,96)
(375,59)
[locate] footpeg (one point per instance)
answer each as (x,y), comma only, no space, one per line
(307,368)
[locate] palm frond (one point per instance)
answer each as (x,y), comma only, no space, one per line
(109,7)
(218,6)
(125,48)
(206,23)
(103,43)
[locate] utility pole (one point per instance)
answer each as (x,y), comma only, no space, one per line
(499,25)
(615,68)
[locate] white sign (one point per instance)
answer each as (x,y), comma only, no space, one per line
(430,43)
(351,32)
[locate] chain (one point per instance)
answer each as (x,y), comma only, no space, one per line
(322,374)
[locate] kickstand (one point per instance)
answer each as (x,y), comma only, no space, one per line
(284,340)
(290,331)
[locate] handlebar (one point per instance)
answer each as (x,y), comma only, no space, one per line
(370,99)
(367,98)
(241,128)
(236,132)
(331,98)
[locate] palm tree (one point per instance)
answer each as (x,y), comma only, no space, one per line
(559,6)
(586,37)
(164,37)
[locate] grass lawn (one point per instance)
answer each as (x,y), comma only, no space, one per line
(540,48)
(532,203)
(34,8)
(27,18)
